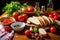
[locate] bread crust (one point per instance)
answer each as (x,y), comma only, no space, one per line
(46,18)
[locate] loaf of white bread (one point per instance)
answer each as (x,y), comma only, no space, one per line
(41,20)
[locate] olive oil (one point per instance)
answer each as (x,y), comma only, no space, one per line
(49,6)
(37,9)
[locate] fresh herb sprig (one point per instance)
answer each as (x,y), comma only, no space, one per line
(12,7)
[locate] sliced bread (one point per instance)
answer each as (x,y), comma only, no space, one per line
(34,20)
(47,19)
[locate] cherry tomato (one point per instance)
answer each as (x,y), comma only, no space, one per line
(27,32)
(53,29)
(21,18)
(54,13)
(16,14)
(51,15)
(30,9)
(24,10)
(59,11)
(56,17)
(59,16)
(25,15)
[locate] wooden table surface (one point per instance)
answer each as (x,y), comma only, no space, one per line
(23,37)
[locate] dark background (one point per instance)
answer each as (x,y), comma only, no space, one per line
(31,2)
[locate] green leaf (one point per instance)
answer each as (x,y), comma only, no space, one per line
(12,7)
(25,4)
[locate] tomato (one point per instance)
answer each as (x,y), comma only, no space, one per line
(30,9)
(56,17)
(21,18)
(54,13)
(16,14)
(53,29)
(25,15)
(59,15)
(51,15)
(24,9)
(27,32)
(59,11)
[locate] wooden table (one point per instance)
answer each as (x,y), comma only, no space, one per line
(23,37)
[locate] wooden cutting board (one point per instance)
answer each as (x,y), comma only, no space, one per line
(18,36)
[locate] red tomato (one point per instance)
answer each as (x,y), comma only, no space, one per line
(59,11)
(16,14)
(27,32)
(24,9)
(30,9)
(21,18)
(54,13)
(53,29)
(56,17)
(25,15)
(51,15)
(59,16)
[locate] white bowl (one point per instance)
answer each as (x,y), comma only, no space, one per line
(22,25)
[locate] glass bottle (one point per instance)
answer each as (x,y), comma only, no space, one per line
(49,6)
(37,8)
(43,8)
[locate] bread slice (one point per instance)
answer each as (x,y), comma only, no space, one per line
(28,21)
(45,21)
(46,18)
(41,24)
(42,32)
(52,20)
(34,20)
(42,20)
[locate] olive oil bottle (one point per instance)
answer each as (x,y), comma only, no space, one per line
(37,9)
(49,6)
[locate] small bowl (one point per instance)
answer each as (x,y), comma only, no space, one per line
(21,24)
